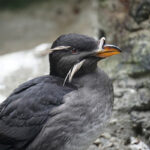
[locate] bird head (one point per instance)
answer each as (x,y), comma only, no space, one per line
(76,55)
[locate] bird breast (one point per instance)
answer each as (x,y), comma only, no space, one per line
(89,109)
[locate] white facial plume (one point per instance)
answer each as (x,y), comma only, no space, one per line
(73,70)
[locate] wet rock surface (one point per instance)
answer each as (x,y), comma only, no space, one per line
(124,23)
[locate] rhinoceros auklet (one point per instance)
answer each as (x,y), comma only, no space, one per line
(65,110)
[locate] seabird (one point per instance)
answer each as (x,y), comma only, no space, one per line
(65,110)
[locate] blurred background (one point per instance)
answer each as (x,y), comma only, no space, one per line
(28,23)
(28,27)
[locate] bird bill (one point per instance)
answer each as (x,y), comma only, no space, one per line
(108,50)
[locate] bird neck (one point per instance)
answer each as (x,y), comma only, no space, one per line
(95,80)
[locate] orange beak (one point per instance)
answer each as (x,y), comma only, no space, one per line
(108,50)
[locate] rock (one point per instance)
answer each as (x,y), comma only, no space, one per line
(138,58)
(97,142)
(19,67)
(93,147)
(141,123)
(142,11)
(126,23)
(132,26)
(132,37)
(143,102)
(137,144)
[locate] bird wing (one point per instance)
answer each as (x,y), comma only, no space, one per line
(24,112)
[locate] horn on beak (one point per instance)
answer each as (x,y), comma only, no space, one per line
(106,50)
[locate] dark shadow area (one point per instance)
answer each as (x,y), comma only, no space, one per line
(18,4)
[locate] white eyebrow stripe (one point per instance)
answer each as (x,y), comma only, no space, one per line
(49,51)
(60,48)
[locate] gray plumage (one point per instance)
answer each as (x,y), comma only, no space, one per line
(82,117)
(44,114)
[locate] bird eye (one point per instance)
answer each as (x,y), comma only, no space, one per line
(74,51)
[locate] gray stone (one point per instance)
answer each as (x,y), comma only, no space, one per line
(141,11)
(141,124)
(93,147)
(19,67)
(137,144)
